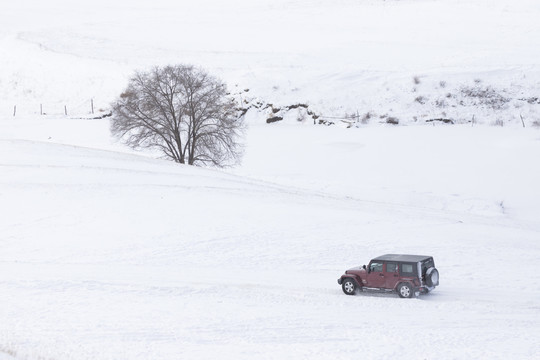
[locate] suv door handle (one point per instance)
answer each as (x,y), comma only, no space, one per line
(381,274)
(396,275)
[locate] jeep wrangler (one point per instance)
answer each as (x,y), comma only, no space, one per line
(408,275)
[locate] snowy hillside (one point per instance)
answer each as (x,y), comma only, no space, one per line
(411,59)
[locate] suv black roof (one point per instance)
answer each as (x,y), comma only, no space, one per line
(401,257)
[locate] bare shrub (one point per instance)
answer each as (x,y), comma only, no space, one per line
(442,84)
(441,103)
(487,96)
(421,99)
(366,118)
(498,122)
(416,80)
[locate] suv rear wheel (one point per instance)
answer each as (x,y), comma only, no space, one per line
(349,286)
(405,290)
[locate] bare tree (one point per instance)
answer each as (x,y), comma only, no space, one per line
(182,111)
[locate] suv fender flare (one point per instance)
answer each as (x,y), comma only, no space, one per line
(354,278)
(410,283)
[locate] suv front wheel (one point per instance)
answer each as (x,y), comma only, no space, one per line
(405,290)
(349,287)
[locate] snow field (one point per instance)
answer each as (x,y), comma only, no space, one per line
(108,255)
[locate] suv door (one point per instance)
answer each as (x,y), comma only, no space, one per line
(391,275)
(375,276)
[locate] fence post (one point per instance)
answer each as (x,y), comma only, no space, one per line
(65,110)
(14,110)
(92,105)
(523,122)
(40,109)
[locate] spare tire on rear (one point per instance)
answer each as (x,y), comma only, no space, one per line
(432,277)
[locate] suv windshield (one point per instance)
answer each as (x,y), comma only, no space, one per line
(375,266)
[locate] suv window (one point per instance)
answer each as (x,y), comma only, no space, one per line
(427,264)
(391,267)
(375,267)
(407,269)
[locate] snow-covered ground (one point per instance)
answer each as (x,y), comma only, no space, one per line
(107,253)
(114,255)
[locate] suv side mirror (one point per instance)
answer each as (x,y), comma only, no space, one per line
(364,267)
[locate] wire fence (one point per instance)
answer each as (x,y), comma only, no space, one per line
(88,108)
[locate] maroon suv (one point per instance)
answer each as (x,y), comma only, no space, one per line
(408,275)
